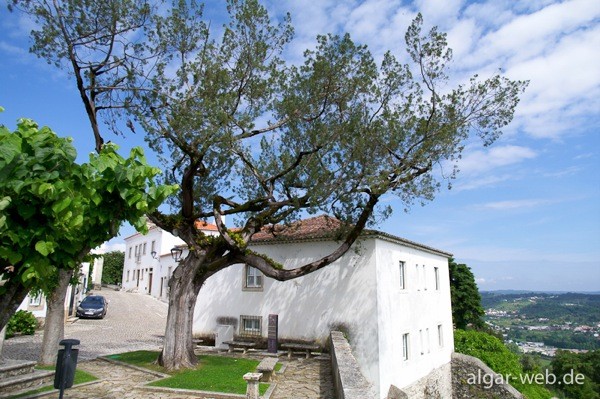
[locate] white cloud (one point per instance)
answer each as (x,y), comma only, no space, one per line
(570,171)
(112,246)
(516,204)
(527,35)
(480,161)
(463,184)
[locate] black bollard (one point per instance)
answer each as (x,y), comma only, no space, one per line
(66,363)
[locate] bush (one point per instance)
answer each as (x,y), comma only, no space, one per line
(23,322)
(489,349)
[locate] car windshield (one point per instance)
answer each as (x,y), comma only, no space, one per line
(92,302)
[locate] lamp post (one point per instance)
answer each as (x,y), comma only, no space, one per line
(153,254)
(176,253)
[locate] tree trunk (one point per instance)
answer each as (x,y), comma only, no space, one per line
(54,328)
(12,298)
(2,335)
(185,284)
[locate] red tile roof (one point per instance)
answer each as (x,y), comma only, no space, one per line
(316,227)
(203,225)
(326,228)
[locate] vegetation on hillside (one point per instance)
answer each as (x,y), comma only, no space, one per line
(499,358)
(568,321)
(567,365)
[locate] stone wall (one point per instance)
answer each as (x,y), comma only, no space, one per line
(487,385)
(435,385)
(348,381)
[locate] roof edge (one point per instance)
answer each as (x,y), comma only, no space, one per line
(365,234)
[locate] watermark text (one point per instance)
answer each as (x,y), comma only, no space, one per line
(545,378)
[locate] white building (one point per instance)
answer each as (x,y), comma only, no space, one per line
(391,296)
(148,262)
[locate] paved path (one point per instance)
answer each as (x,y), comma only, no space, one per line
(306,379)
(136,321)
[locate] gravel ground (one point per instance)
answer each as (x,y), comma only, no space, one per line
(133,321)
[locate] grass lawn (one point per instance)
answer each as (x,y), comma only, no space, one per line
(80,377)
(214,373)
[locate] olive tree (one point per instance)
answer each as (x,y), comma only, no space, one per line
(250,136)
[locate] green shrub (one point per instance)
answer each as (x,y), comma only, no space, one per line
(489,349)
(23,322)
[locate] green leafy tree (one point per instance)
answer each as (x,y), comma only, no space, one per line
(112,270)
(92,40)
(53,210)
(465,297)
(249,136)
(571,364)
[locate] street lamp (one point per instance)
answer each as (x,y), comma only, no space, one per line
(176,253)
(153,254)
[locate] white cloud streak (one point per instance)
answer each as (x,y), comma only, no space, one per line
(481,161)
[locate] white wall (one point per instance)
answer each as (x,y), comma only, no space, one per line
(308,307)
(412,310)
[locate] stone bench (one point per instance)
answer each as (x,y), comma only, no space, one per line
(266,367)
(306,348)
(239,344)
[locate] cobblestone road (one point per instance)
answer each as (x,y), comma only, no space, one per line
(133,321)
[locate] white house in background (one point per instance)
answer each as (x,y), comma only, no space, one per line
(148,262)
(36,304)
(391,295)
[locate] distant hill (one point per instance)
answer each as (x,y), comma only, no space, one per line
(573,307)
(509,292)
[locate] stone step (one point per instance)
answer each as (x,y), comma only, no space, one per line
(11,368)
(26,382)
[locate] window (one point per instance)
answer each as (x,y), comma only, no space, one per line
(402,276)
(35,300)
(253,279)
(250,326)
(418,279)
(144,250)
(130,252)
(421,341)
(427,343)
(153,246)
(405,350)
(440,336)
(424,278)
(436,273)
(127,274)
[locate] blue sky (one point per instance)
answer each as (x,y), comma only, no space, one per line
(524,213)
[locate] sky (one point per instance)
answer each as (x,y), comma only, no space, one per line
(523,213)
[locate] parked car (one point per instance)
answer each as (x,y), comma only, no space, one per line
(93,306)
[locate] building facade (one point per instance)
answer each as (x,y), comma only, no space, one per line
(389,295)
